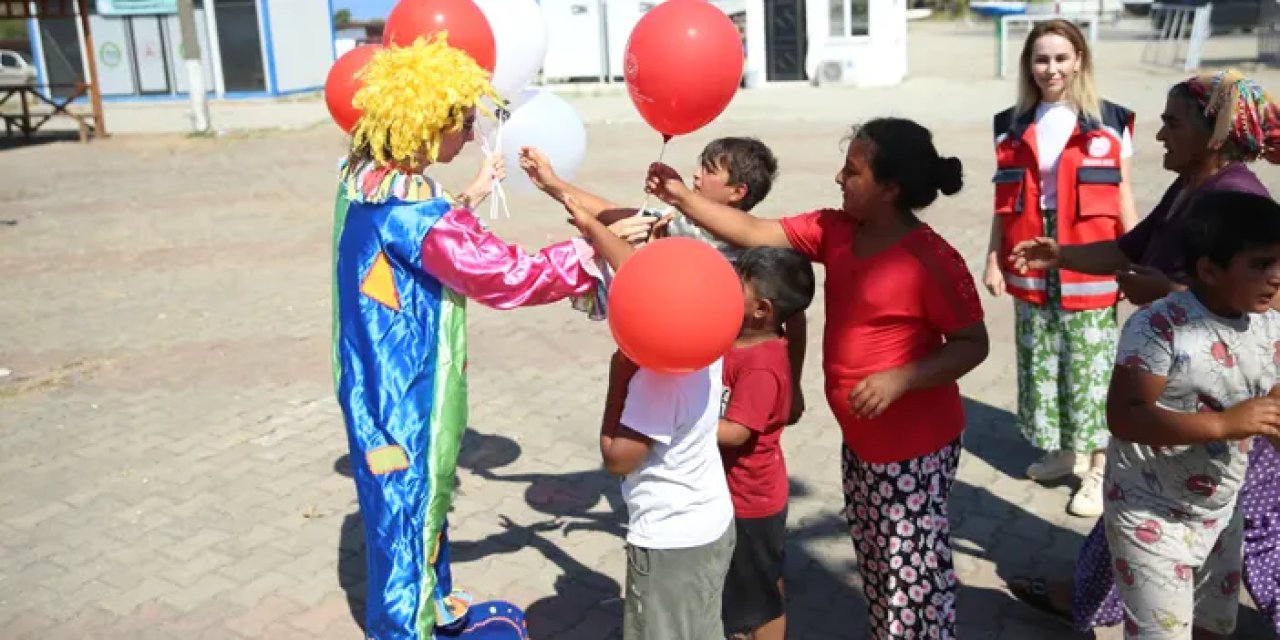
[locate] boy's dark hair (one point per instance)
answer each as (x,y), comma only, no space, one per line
(748,161)
(1222,224)
(903,154)
(780,275)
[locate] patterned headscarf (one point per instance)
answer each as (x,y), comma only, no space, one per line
(1246,121)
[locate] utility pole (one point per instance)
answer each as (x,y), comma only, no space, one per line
(195,70)
(95,89)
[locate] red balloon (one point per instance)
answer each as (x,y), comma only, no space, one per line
(683,65)
(675,306)
(341,85)
(465,23)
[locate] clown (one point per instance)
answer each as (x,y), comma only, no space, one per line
(408,256)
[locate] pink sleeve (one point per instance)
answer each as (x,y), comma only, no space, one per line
(476,264)
(805,232)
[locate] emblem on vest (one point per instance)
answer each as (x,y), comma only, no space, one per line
(1099,147)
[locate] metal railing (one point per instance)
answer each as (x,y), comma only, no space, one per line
(1178,34)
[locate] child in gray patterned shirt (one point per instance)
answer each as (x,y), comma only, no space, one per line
(1195,378)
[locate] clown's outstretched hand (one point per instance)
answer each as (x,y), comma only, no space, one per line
(493,170)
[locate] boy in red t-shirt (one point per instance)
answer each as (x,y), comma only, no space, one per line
(777,284)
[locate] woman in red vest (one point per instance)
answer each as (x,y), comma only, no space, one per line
(1062,171)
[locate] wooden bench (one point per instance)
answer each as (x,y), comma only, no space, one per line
(37,109)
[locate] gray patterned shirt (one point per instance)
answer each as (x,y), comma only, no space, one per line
(1211,363)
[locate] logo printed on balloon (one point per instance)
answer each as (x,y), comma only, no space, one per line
(683,65)
(631,67)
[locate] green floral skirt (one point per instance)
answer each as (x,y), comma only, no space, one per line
(1065,360)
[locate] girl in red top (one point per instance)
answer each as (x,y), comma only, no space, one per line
(903,324)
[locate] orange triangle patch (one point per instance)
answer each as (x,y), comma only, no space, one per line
(380,283)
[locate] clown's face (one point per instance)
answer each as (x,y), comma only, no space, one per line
(452,142)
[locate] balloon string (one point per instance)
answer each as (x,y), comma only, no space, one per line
(502,192)
(662,153)
(493,194)
(498,195)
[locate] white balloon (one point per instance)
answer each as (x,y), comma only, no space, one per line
(520,37)
(546,121)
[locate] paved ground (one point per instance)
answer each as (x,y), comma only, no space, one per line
(172,462)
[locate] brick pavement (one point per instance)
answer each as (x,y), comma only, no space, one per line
(173,464)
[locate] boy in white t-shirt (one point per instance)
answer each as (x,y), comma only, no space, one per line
(661,437)
(680,533)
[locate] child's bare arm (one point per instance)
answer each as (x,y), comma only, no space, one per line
(731,434)
(796,331)
(622,449)
(1275,393)
(613,249)
(732,225)
(1134,415)
(538,167)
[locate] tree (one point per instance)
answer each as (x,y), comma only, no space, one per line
(341,18)
(13,29)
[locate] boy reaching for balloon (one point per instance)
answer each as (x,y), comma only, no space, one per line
(735,172)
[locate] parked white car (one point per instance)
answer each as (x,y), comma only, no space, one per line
(15,71)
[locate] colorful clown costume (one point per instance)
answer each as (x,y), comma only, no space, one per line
(406,261)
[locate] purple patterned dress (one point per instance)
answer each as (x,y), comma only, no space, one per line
(1156,243)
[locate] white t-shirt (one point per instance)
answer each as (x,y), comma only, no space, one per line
(678,498)
(1055,122)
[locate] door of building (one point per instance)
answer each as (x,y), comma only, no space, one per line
(785,40)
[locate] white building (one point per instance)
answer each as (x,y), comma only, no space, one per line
(862,42)
(249,48)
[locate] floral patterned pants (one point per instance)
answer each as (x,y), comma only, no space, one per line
(897,516)
(1064,367)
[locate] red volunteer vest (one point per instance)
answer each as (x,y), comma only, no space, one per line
(1088,200)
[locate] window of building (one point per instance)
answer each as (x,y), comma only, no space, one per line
(849,18)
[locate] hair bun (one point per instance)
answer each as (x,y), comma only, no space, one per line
(948,174)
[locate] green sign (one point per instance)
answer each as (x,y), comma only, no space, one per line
(136,7)
(109,54)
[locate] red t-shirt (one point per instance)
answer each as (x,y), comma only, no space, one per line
(885,311)
(757,395)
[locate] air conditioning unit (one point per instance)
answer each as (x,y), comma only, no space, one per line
(835,72)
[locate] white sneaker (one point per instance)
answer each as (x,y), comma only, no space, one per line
(1057,464)
(1087,503)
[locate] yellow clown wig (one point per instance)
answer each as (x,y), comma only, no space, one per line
(412,96)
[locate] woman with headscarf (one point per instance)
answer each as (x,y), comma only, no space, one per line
(1214,125)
